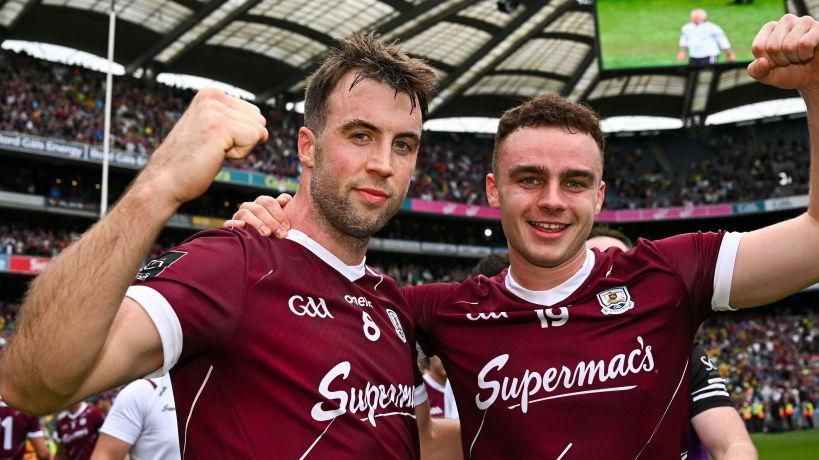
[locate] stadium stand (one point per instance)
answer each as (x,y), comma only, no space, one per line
(655,170)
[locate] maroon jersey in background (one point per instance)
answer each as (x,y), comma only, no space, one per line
(435,393)
(596,366)
(15,428)
(77,432)
(282,350)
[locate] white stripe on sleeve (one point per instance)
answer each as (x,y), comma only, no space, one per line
(724,271)
(166,322)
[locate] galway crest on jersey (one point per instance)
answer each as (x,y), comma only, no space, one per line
(615,301)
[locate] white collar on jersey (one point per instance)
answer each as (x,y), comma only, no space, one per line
(557,294)
(431,382)
(351,272)
(73,415)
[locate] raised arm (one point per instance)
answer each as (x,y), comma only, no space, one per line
(76,336)
(781,259)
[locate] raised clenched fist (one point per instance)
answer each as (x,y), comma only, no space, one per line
(785,53)
(214,127)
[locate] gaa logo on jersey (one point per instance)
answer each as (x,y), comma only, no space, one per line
(615,301)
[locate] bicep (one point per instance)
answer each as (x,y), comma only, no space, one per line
(110,448)
(775,261)
(132,350)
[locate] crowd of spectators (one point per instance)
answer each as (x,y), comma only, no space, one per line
(34,241)
(770,358)
(737,164)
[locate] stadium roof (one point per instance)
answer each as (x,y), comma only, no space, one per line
(487,60)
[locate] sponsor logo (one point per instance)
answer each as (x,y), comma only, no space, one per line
(615,301)
(75,435)
(707,363)
(361,301)
(168,408)
(366,400)
(309,307)
(158,265)
(490,315)
(396,324)
(561,379)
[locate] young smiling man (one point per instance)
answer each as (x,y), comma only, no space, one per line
(283,349)
(576,354)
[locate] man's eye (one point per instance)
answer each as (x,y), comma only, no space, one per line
(402,146)
(361,137)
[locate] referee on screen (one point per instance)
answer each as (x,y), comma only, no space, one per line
(702,41)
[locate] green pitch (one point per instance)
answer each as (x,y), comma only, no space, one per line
(646,33)
(796,445)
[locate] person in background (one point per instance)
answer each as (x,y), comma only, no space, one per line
(141,424)
(702,40)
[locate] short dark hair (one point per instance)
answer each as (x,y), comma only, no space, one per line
(373,59)
(492,264)
(550,110)
(602,230)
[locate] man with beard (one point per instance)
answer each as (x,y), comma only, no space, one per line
(276,348)
(572,351)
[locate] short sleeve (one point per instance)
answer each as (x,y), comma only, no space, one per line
(127,415)
(721,38)
(708,388)
(194,293)
(683,38)
(704,263)
(33,427)
(424,301)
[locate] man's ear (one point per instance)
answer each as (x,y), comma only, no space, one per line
(307,147)
(492,194)
(601,195)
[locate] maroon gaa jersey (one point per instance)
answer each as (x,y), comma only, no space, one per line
(435,394)
(277,349)
(598,366)
(77,432)
(15,427)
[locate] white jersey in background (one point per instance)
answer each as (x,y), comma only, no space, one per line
(144,416)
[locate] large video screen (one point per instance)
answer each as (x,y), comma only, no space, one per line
(663,33)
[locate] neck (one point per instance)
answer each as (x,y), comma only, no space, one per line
(304,216)
(537,278)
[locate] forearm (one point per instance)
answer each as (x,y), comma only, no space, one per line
(67,314)
(811,99)
(742,450)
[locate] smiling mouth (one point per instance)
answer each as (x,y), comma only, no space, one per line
(548,227)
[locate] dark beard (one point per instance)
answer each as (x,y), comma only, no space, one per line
(337,209)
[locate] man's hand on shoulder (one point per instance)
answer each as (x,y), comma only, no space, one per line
(265,214)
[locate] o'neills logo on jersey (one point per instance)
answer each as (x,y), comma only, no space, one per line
(309,307)
(365,400)
(564,380)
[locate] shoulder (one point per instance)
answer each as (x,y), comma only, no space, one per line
(136,390)
(477,286)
